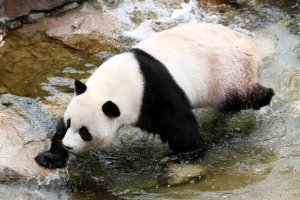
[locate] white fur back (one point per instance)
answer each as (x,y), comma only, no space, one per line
(207,61)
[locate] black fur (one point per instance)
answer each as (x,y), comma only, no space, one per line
(165,108)
(111,109)
(259,97)
(79,87)
(85,134)
(57,156)
(68,123)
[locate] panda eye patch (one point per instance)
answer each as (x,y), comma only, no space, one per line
(85,134)
(68,123)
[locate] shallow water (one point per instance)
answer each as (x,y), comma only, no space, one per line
(253,154)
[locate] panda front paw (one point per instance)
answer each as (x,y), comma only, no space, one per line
(50,160)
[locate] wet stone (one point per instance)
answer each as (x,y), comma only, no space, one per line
(104,55)
(11,173)
(86,31)
(15,9)
(69,7)
(181,173)
(240,2)
(14,24)
(19,143)
(2,13)
(95,4)
(34,17)
(294,26)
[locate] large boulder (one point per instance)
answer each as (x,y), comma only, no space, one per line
(19,143)
(2,13)
(85,31)
(18,8)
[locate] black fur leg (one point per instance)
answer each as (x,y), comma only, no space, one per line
(259,96)
(165,108)
(181,131)
(234,102)
(50,160)
(57,156)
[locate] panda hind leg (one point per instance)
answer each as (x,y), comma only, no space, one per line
(258,97)
(57,155)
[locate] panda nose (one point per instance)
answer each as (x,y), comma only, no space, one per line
(68,148)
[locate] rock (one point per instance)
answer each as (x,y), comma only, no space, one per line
(240,2)
(34,17)
(18,8)
(88,7)
(95,4)
(14,24)
(180,173)
(86,31)
(69,7)
(2,13)
(104,55)
(294,26)
(19,144)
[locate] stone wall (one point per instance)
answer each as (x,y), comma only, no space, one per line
(2,13)
(14,13)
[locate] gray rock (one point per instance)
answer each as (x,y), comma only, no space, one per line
(242,2)
(69,7)
(2,13)
(294,26)
(19,144)
(34,17)
(14,24)
(180,173)
(86,31)
(18,8)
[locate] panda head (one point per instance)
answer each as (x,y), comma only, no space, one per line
(90,121)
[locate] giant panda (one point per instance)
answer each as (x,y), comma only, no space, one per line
(156,84)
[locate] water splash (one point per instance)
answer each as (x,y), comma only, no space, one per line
(49,178)
(155,16)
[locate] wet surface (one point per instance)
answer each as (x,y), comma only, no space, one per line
(32,62)
(253,154)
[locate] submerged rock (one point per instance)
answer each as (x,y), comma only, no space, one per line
(181,173)
(18,146)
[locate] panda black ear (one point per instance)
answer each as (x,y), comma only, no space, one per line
(110,109)
(79,87)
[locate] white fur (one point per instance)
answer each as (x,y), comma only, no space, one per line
(207,61)
(118,80)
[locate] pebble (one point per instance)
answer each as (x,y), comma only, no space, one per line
(2,43)
(3,33)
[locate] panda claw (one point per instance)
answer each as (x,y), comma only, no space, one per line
(50,160)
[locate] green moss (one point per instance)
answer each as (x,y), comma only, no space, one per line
(215,125)
(137,17)
(136,20)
